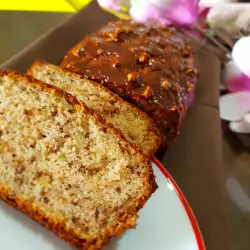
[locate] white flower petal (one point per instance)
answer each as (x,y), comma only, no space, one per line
(161,3)
(242,126)
(210,3)
(140,11)
(247,118)
(222,16)
(241,54)
(233,107)
(231,70)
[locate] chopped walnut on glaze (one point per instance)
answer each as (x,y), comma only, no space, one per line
(148,92)
(151,68)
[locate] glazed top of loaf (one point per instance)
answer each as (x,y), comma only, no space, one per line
(154,64)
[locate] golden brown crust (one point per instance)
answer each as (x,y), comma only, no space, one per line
(153,128)
(59,228)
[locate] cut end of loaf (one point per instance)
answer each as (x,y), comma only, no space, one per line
(136,126)
(66,168)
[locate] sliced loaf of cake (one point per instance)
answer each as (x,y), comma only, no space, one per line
(63,166)
(137,127)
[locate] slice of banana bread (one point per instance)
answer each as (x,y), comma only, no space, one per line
(137,127)
(63,166)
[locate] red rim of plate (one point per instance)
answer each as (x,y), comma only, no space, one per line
(190,214)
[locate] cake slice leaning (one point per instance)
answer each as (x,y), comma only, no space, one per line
(63,166)
(137,127)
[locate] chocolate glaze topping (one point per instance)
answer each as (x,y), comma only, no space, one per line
(151,68)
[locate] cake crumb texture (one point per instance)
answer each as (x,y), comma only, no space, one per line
(137,127)
(65,167)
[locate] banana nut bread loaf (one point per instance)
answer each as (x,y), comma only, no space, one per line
(137,127)
(63,166)
(151,68)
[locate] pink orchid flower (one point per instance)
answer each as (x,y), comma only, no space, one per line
(165,12)
(181,12)
(235,106)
